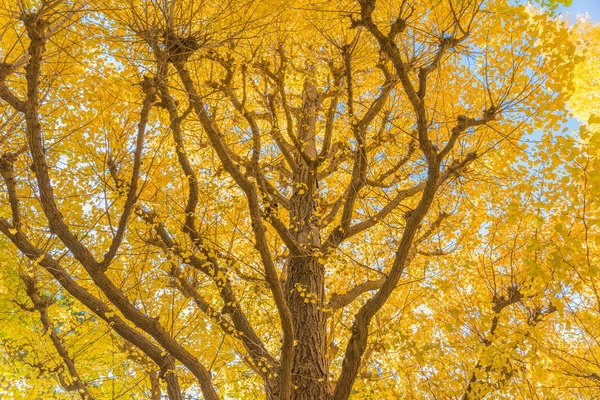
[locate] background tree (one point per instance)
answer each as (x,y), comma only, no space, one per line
(253,199)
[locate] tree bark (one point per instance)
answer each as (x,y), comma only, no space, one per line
(305,283)
(305,291)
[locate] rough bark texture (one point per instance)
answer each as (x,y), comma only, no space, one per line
(300,370)
(311,367)
(305,284)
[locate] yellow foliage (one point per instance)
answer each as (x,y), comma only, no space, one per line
(300,199)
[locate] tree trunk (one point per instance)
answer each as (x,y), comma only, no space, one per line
(305,291)
(305,282)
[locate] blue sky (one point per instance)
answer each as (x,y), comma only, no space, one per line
(592,7)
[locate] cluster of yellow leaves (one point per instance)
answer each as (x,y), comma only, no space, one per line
(516,224)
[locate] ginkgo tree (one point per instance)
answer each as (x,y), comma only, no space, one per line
(282,200)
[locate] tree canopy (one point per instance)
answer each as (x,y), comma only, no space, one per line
(298,200)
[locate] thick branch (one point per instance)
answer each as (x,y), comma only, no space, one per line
(7,170)
(266,188)
(35,27)
(10,97)
(95,305)
(36,30)
(249,337)
(257,226)
(338,301)
(337,236)
(210,267)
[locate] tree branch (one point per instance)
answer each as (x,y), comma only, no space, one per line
(95,305)
(148,87)
(257,226)
(41,306)
(210,267)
